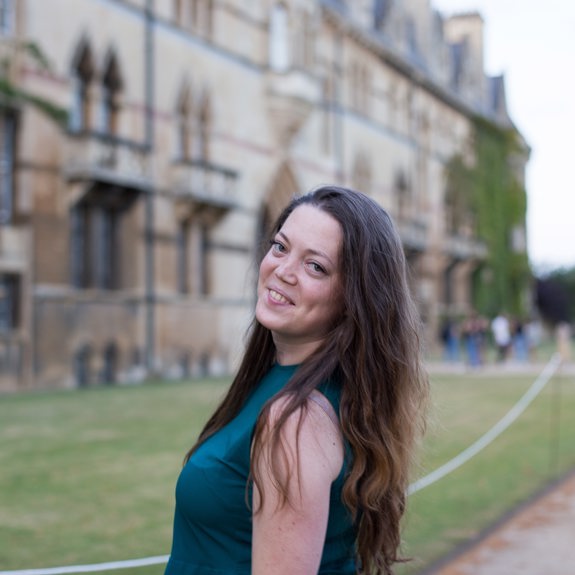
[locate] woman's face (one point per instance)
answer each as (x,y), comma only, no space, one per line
(299,286)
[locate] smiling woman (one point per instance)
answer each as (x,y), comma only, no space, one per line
(304,466)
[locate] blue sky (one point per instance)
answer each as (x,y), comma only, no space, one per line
(533,44)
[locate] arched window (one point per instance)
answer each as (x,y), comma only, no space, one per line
(193,259)
(303,56)
(327,114)
(7,142)
(97,241)
(201,133)
(184,125)
(279,53)
(82,74)
(110,105)
(360,88)
(308,40)
(183,256)
(193,126)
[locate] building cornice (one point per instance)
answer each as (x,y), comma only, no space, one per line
(376,44)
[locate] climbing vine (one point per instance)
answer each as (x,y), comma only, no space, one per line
(14,95)
(488,193)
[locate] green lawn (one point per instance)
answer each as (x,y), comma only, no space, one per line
(88,475)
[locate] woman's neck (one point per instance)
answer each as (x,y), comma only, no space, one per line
(288,353)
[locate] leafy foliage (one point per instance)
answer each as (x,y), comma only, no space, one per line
(556,295)
(16,95)
(488,193)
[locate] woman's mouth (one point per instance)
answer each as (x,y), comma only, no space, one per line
(278,297)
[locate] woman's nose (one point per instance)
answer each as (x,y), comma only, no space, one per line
(286,271)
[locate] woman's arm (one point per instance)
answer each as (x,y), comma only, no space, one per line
(288,537)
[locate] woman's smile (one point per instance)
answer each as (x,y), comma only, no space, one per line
(277,297)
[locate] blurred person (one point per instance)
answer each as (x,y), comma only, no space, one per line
(533,335)
(519,341)
(472,331)
(563,338)
(303,468)
(501,335)
(482,337)
(450,340)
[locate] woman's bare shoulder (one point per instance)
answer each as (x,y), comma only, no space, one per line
(312,432)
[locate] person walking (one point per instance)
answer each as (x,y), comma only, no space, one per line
(502,336)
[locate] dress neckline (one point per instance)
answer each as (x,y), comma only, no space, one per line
(288,367)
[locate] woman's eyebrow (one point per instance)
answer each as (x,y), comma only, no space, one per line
(309,250)
(280,233)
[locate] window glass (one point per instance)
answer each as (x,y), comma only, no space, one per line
(279,39)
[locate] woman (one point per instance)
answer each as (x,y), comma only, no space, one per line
(303,468)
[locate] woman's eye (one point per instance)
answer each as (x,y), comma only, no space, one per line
(277,247)
(317,268)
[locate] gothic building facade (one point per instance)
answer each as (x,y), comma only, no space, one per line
(146,144)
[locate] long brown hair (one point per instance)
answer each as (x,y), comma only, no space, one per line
(374,352)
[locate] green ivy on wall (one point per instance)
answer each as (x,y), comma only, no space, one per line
(489,194)
(13,95)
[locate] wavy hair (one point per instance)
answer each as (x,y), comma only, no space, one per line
(374,351)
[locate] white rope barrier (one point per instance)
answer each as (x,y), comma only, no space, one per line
(110,566)
(425,481)
(494,432)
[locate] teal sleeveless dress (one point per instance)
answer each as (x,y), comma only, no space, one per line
(213,520)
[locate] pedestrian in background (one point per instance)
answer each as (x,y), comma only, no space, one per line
(450,340)
(519,341)
(501,335)
(473,335)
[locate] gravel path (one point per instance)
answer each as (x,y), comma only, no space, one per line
(538,540)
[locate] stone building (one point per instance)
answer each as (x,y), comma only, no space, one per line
(129,232)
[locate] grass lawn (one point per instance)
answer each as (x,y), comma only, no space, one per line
(88,476)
